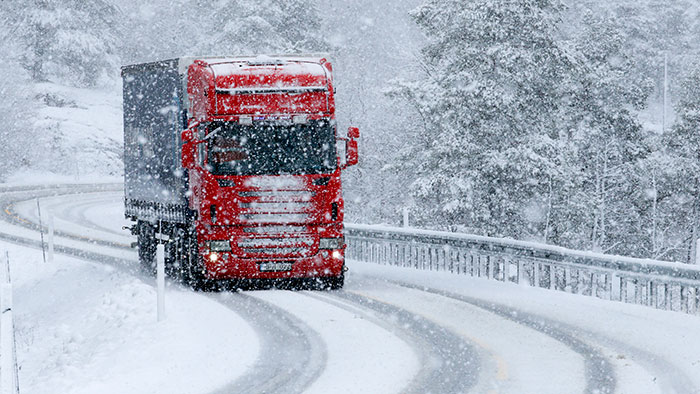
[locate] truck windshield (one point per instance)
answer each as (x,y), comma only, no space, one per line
(272,149)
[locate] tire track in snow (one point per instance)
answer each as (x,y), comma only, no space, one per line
(599,373)
(292,354)
(449,364)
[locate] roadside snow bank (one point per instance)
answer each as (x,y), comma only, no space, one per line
(91,328)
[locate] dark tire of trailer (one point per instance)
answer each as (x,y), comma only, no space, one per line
(146,241)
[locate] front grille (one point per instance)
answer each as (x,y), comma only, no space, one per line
(275,229)
(303,195)
(274,252)
(275,218)
(276,206)
(274,242)
(268,247)
(264,207)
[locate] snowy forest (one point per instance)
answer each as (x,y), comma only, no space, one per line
(570,123)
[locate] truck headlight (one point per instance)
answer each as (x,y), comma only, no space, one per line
(331,243)
(220,246)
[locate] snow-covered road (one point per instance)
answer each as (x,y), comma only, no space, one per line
(391,330)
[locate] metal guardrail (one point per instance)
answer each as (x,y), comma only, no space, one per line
(659,284)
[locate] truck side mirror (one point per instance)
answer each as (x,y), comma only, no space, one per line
(351,154)
(189,151)
(187,136)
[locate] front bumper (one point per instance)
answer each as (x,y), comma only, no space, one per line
(325,263)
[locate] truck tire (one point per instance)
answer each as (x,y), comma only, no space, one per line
(192,267)
(335,282)
(172,256)
(146,238)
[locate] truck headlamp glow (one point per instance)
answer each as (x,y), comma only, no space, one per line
(330,243)
(220,246)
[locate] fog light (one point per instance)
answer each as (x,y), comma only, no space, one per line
(337,254)
(214,257)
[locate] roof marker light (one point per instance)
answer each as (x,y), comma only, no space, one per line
(299,119)
(245,120)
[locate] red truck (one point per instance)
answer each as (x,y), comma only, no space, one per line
(235,165)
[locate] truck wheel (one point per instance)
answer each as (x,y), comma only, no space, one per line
(147,247)
(172,257)
(192,271)
(335,282)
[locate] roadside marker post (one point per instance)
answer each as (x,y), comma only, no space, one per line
(160,280)
(51,231)
(9,374)
(41,230)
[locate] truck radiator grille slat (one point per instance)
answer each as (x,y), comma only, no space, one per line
(276,207)
(274,242)
(275,252)
(275,217)
(291,230)
(270,247)
(271,195)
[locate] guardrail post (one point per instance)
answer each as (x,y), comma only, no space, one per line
(683,299)
(552,283)
(490,267)
(623,289)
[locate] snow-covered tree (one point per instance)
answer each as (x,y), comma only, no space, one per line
(605,139)
(72,40)
(262,26)
(683,141)
(489,100)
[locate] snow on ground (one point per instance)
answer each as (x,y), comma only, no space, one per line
(86,327)
(86,129)
(660,341)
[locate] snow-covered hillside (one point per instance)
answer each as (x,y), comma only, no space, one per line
(84,126)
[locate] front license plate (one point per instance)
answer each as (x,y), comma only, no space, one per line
(266,267)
